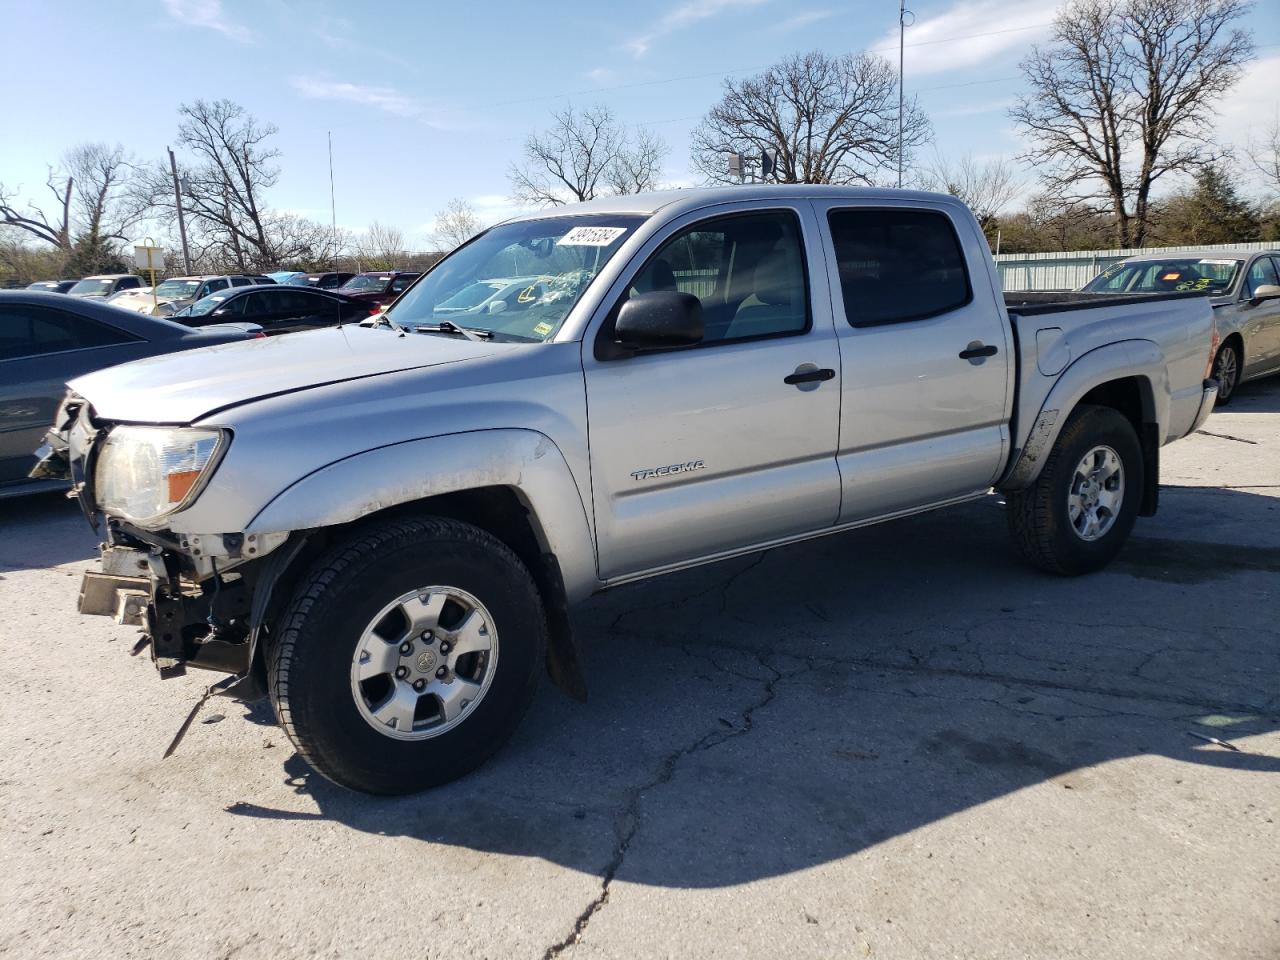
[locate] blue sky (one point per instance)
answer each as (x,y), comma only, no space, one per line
(428,101)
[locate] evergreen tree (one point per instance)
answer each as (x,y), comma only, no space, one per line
(1211,211)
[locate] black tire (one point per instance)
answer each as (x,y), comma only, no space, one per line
(1039,521)
(1228,357)
(309,662)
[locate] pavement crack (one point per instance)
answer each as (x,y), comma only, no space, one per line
(628,822)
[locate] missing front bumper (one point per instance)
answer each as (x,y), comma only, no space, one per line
(187,625)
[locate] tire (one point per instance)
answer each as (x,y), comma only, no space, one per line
(1227,369)
(1040,517)
(338,616)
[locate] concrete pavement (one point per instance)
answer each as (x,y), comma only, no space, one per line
(896,742)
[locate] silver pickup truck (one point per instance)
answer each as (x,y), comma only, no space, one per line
(384,527)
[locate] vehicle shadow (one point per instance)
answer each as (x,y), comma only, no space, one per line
(1256,396)
(43,530)
(781,711)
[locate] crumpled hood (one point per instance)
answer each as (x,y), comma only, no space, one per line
(182,387)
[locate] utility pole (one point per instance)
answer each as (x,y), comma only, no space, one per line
(182,221)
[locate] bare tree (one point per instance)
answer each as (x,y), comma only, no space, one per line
(381,247)
(828,120)
(227,166)
(1264,154)
(53,227)
(986,187)
(456,224)
(1123,96)
(584,154)
(89,188)
(637,166)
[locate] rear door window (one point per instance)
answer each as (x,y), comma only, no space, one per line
(898,265)
(33,331)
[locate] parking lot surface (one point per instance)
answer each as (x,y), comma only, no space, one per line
(897,742)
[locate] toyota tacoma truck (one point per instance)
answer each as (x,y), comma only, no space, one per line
(384,527)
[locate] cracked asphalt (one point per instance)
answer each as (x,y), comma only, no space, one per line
(896,742)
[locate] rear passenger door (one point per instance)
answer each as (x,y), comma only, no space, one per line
(709,449)
(925,355)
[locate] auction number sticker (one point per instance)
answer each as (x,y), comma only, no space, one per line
(591,236)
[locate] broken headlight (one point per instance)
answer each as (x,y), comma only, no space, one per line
(145,473)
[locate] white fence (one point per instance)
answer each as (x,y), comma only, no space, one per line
(1072,269)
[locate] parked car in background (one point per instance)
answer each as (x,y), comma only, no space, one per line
(105,285)
(47,339)
(1244,288)
(122,298)
(380,286)
(279,309)
(177,292)
(285,276)
(409,509)
(495,295)
(323,281)
(52,286)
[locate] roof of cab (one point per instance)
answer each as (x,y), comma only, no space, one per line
(692,199)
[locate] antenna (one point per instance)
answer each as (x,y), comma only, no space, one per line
(333,209)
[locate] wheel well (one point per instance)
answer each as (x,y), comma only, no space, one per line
(1130,396)
(499,511)
(1238,341)
(1125,395)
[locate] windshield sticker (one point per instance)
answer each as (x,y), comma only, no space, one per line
(591,236)
(542,329)
(1171,276)
(1220,263)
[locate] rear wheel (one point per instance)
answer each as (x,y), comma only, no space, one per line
(408,655)
(1077,515)
(1226,370)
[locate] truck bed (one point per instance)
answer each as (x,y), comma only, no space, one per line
(1030,303)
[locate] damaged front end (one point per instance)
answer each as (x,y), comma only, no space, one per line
(201,600)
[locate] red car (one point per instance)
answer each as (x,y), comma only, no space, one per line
(380,286)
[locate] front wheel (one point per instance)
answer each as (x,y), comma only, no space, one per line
(1226,370)
(407,655)
(1077,515)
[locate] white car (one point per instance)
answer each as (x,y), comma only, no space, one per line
(104,285)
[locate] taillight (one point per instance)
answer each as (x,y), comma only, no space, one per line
(260,335)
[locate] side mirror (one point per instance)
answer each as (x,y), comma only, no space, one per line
(1266,291)
(659,319)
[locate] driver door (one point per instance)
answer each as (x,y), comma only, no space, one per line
(714,448)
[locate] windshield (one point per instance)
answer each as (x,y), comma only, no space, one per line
(519,280)
(178,289)
(1177,274)
(206,305)
(90,288)
(364,282)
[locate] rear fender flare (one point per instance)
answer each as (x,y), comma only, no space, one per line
(1140,359)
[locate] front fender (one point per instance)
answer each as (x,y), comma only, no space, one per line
(524,460)
(1141,359)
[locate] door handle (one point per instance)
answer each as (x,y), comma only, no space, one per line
(810,375)
(977,350)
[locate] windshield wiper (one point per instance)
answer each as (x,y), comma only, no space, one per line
(448,326)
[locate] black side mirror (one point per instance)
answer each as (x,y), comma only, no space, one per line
(659,320)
